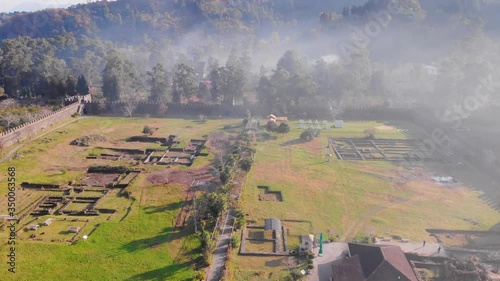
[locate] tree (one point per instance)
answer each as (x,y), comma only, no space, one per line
(82,87)
(9,119)
(120,80)
(300,86)
(128,109)
(159,84)
(335,108)
(283,128)
(185,84)
(290,62)
(266,93)
(8,103)
(359,72)
(146,130)
(70,86)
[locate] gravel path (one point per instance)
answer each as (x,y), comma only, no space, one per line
(220,254)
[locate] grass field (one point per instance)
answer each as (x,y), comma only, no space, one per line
(138,242)
(347,199)
(338,198)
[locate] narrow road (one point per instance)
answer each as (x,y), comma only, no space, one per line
(11,153)
(220,254)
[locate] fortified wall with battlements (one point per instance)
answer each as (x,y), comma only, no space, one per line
(17,134)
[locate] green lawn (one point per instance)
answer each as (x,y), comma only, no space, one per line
(348,198)
(136,243)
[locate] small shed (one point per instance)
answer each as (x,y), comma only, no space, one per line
(33,227)
(272,225)
(48,222)
(306,243)
(74,229)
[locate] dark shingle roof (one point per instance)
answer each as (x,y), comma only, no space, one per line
(374,263)
(348,270)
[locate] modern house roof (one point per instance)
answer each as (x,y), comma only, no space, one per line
(374,263)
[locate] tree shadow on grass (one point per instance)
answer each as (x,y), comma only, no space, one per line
(164,273)
(292,142)
(167,235)
(274,263)
(159,209)
(263,137)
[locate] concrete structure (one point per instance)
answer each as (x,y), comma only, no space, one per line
(374,263)
(33,227)
(272,225)
(306,243)
(48,222)
(74,229)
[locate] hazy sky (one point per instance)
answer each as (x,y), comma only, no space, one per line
(33,5)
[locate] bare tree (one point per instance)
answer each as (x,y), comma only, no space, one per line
(128,109)
(9,119)
(162,108)
(27,117)
(101,107)
(42,112)
(8,103)
(336,108)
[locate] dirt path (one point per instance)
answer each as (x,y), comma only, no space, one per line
(11,153)
(363,219)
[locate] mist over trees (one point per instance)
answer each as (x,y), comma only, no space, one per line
(275,53)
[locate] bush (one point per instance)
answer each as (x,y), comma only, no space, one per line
(370,133)
(306,135)
(310,256)
(146,130)
(200,275)
(271,127)
(310,266)
(235,242)
(309,134)
(246,164)
(283,128)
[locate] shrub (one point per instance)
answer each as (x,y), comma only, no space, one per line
(370,133)
(306,135)
(235,242)
(283,128)
(310,256)
(310,266)
(246,164)
(271,127)
(200,276)
(146,130)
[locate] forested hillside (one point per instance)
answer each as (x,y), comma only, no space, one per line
(275,52)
